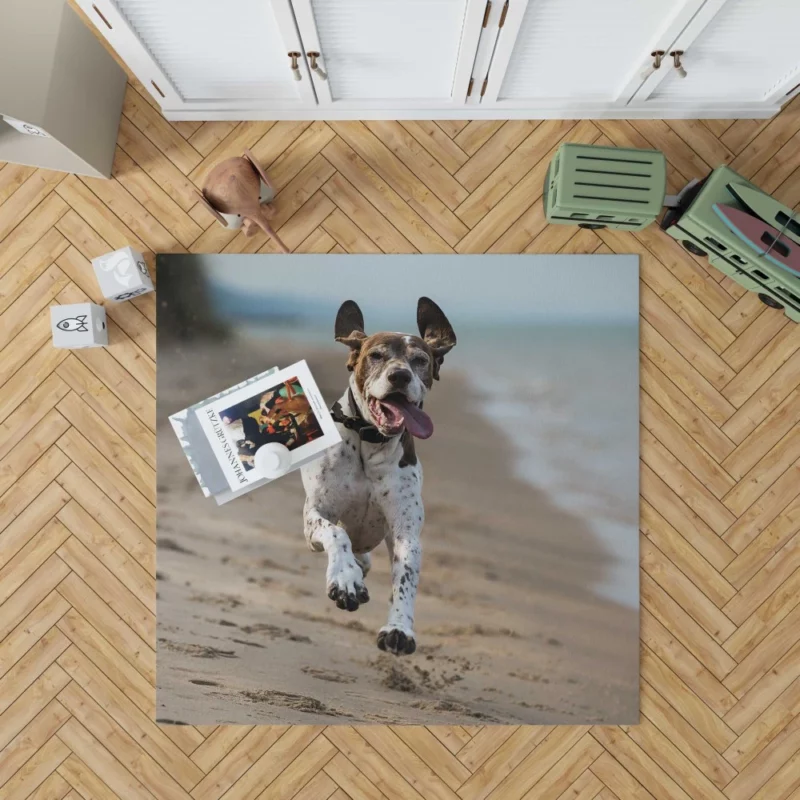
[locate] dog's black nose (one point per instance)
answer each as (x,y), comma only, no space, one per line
(399,377)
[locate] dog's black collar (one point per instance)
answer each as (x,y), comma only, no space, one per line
(365,430)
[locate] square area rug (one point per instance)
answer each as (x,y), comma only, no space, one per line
(528,593)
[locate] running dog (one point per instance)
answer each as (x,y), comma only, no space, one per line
(368,488)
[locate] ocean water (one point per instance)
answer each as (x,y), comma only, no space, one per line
(570,394)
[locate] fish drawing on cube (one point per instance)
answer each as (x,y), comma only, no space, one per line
(122,274)
(78,325)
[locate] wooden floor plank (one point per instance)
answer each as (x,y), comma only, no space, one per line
(136,469)
(30,484)
(12,176)
(680,553)
(416,218)
(686,631)
(237,761)
(30,267)
(685,737)
(437,143)
(158,203)
(33,736)
(425,167)
(112,500)
(160,132)
(111,626)
(105,776)
(30,425)
(685,593)
(119,599)
(22,532)
(120,744)
(30,230)
(163,172)
(130,719)
(37,769)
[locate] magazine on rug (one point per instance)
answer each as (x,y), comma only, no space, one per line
(221,434)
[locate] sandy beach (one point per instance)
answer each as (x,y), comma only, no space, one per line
(508,627)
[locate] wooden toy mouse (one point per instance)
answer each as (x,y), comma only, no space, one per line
(233,189)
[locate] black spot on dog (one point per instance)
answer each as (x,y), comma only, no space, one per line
(199,682)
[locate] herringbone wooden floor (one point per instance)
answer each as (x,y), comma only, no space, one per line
(720,404)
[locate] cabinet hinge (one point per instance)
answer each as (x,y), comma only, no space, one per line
(469,88)
(483,88)
(503,15)
(486,13)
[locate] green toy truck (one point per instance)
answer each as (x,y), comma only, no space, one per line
(700,230)
(605,187)
(612,187)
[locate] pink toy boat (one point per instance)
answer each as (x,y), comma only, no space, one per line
(769,209)
(763,238)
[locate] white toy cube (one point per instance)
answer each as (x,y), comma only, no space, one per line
(79,325)
(122,274)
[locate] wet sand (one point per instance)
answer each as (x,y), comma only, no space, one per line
(509,629)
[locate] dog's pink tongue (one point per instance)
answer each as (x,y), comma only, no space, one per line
(418,423)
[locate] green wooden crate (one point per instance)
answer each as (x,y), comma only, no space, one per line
(701,231)
(605,187)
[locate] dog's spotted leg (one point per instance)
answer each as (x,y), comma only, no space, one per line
(405,549)
(344,577)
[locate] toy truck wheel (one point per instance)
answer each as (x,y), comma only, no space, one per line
(693,248)
(592,226)
(769,301)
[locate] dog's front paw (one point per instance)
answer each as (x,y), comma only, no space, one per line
(399,641)
(346,585)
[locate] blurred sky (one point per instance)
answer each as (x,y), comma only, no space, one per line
(493,289)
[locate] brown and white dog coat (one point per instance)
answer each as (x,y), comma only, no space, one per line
(368,488)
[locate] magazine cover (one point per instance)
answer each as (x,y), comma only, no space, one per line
(196,446)
(284,407)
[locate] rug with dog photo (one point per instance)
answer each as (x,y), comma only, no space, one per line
(460,546)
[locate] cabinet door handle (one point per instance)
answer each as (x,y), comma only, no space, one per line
(658,56)
(676,60)
(313,56)
(294,65)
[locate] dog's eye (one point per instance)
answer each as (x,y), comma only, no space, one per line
(419,361)
(375,356)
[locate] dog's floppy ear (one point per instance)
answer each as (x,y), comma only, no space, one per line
(436,330)
(349,329)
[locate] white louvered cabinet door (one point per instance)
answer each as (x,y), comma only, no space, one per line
(746,51)
(206,53)
(390,53)
(554,54)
